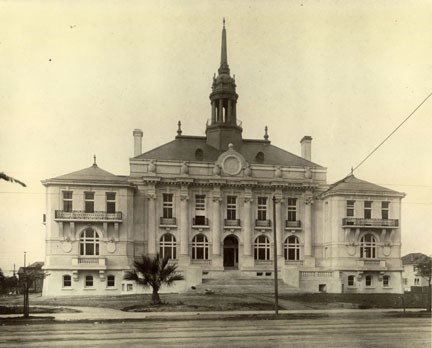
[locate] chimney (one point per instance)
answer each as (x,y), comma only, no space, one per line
(306,147)
(138,134)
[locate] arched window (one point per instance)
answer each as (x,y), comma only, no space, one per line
(351,280)
(168,246)
(89,281)
(111,280)
(199,154)
(67,281)
(368,246)
(292,248)
(262,248)
(200,247)
(89,243)
(259,157)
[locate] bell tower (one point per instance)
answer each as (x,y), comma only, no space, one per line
(224,128)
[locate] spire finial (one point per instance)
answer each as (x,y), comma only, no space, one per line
(94,161)
(352,171)
(179,131)
(224,68)
(265,133)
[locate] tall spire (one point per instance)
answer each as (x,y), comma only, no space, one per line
(224,68)
(224,128)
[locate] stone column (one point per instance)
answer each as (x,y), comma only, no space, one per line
(216,225)
(308,226)
(152,224)
(213,114)
(247,237)
(184,224)
(279,227)
(220,111)
(229,114)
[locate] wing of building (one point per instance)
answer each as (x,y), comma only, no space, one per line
(219,205)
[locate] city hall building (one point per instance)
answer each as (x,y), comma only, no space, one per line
(219,205)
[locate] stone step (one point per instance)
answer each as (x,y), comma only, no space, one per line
(242,285)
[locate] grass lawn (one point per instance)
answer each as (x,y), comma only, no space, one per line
(223,302)
(171,302)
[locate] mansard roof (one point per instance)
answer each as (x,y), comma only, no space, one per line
(184,148)
(92,174)
(352,185)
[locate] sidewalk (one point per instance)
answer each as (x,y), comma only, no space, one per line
(106,314)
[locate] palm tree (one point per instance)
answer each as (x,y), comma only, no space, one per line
(154,273)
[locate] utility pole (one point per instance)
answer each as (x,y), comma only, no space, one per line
(275,258)
(26,293)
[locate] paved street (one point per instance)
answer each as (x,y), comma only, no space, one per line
(348,330)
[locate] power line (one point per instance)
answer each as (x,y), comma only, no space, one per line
(394,131)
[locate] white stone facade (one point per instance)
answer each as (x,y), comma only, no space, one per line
(215,204)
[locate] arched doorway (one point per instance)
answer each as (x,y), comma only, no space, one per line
(230,254)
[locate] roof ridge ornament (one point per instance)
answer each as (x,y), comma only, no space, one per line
(94,161)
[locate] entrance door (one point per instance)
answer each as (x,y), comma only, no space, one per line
(230,254)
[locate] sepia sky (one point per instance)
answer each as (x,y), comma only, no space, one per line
(77,77)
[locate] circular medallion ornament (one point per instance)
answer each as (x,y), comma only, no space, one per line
(351,250)
(386,250)
(67,246)
(111,247)
(232,165)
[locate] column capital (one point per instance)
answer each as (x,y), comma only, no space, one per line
(151,196)
(278,200)
(308,200)
(217,199)
(248,199)
(184,197)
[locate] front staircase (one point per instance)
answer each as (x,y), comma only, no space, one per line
(235,282)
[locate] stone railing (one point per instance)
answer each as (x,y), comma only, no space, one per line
(263,223)
(89,262)
(370,222)
(316,274)
(79,215)
(168,221)
(232,223)
(292,224)
(201,262)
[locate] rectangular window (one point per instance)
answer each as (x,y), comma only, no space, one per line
(231,207)
(89,202)
(292,209)
(417,281)
(262,208)
(167,205)
(89,281)
(67,281)
(386,280)
(350,208)
(200,206)
(368,210)
(385,210)
(111,280)
(111,202)
(351,280)
(368,280)
(67,201)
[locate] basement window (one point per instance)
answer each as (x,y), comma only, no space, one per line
(322,287)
